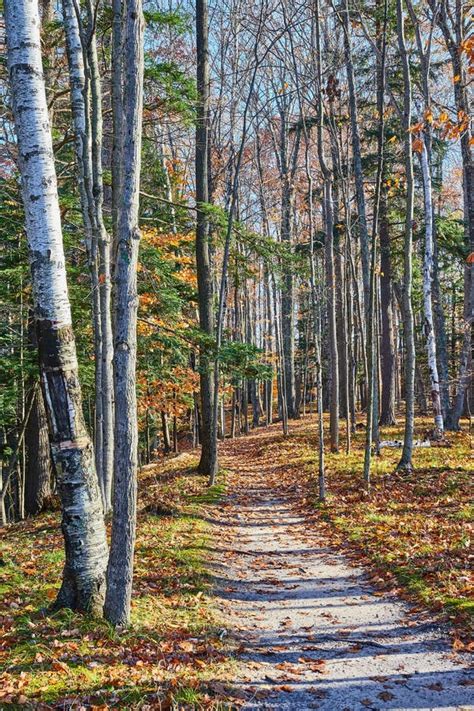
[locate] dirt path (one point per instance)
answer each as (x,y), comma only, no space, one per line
(312,632)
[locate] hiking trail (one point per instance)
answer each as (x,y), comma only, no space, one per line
(310,631)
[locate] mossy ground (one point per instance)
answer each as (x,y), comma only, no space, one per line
(170,657)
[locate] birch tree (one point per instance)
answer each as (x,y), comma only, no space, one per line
(83,584)
(38,469)
(408,321)
(372,399)
(452,19)
(328,213)
(86,106)
(427,291)
(344,18)
(424,148)
(120,568)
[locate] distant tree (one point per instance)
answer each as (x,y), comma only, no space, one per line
(208,463)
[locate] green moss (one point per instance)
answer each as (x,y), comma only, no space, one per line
(381,518)
(66,654)
(413,581)
(210,496)
(54,556)
(466,513)
(12,580)
(460,604)
(187,695)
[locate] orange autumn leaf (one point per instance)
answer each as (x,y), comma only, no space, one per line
(417,127)
(59,666)
(418,145)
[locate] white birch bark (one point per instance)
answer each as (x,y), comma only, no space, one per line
(87,119)
(328,219)
(79,97)
(427,297)
(83,584)
(80,109)
(117,109)
(120,570)
(357,157)
(102,240)
(405,463)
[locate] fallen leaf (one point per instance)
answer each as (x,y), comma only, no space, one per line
(59,666)
(437,686)
(386,696)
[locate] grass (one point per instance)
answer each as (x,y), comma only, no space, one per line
(414,531)
(171,655)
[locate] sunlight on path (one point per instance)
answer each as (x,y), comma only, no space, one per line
(311,632)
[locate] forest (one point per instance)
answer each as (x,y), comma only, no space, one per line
(236,354)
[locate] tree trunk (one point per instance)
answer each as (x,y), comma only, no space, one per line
(340,306)
(87,117)
(280,361)
(427,299)
(356,155)
(440,332)
(287,302)
(328,252)
(351,363)
(38,460)
(406,458)
(429,260)
(117,116)
(166,432)
(38,469)
(372,432)
(453,42)
(80,107)
(208,463)
(83,583)
(316,318)
(104,274)
(120,569)
(268,350)
(387,414)
(331,315)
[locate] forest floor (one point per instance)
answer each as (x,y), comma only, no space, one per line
(252,594)
(173,648)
